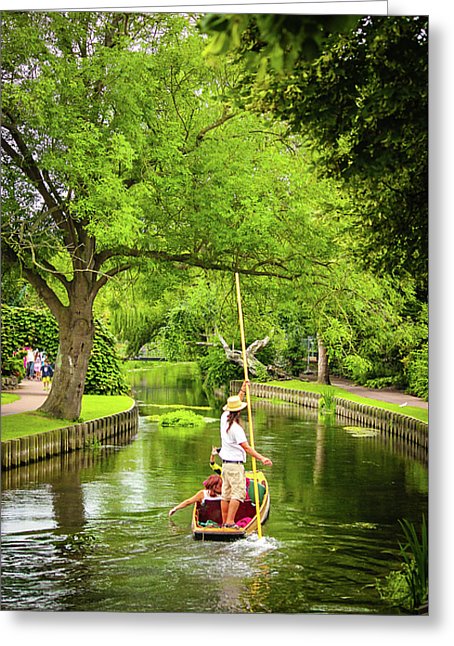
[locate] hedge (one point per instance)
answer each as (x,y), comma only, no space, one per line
(23,326)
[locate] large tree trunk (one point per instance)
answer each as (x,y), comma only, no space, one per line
(323,367)
(76,332)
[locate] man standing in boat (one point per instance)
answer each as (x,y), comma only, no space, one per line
(233,455)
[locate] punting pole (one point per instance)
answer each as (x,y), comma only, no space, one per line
(248,400)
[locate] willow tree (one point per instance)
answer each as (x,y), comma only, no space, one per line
(109,126)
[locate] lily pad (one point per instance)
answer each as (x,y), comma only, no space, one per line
(360,431)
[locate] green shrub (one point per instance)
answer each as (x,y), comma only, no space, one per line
(417,372)
(23,326)
(105,369)
(217,370)
(13,366)
(357,368)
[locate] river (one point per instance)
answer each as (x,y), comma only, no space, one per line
(90,531)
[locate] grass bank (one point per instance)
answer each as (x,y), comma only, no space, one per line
(412,411)
(93,407)
(8,398)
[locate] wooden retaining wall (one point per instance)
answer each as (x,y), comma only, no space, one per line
(40,446)
(396,425)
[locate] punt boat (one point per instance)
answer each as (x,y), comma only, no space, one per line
(207,518)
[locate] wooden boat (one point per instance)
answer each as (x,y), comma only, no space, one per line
(207,518)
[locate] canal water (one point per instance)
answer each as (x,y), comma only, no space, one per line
(90,531)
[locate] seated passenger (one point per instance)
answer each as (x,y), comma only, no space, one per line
(212,491)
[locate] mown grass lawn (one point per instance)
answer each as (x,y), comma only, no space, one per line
(93,407)
(309,386)
(8,398)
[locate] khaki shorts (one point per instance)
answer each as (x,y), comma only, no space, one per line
(233,482)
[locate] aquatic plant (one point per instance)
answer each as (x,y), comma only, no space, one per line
(409,586)
(327,402)
(182,418)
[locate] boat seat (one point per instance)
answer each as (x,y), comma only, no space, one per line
(211,510)
(251,492)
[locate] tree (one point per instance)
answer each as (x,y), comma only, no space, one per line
(109,125)
(254,365)
(359,92)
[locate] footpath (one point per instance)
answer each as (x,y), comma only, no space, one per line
(32,395)
(386,395)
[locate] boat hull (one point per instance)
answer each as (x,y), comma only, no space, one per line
(207,519)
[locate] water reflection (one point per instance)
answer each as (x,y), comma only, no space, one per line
(90,531)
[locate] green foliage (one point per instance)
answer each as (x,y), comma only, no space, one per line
(105,370)
(23,326)
(415,553)
(409,586)
(346,95)
(395,588)
(152,170)
(182,418)
(326,403)
(217,371)
(357,368)
(417,372)
(179,334)
(282,38)
(13,366)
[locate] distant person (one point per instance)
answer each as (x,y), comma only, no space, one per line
(38,365)
(30,363)
(47,374)
(233,454)
(212,491)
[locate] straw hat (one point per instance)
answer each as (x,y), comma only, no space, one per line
(234,404)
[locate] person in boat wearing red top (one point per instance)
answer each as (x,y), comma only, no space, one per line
(212,491)
(233,454)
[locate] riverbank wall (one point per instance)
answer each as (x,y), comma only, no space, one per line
(403,427)
(41,446)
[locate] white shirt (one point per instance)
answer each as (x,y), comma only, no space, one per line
(206,496)
(231,449)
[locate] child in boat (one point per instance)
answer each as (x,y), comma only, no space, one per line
(212,491)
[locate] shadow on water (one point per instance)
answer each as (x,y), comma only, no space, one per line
(90,530)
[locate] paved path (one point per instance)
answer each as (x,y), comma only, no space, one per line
(386,395)
(31,395)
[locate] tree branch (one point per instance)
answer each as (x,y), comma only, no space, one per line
(38,282)
(25,162)
(188,259)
